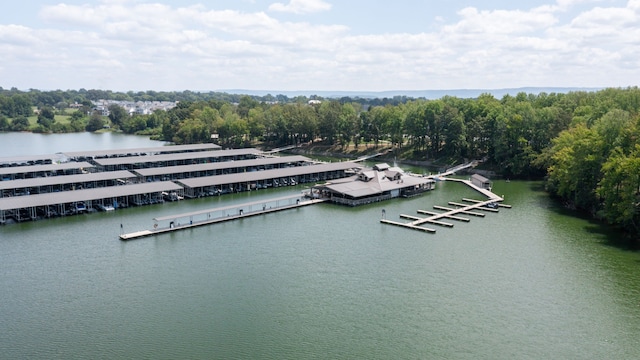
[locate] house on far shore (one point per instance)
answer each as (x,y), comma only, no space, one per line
(481,181)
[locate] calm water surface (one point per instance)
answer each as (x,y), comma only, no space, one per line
(17,144)
(323,281)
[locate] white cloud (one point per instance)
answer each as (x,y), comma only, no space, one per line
(501,21)
(301,6)
(124,45)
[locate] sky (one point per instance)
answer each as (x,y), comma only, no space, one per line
(324,45)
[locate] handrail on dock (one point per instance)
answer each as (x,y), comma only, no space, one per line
(367,157)
(221,214)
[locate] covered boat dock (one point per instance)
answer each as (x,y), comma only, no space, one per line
(166,160)
(220,168)
(31,207)
(43,170)
(33,188)
(264,179)
(43,185)
(172,149)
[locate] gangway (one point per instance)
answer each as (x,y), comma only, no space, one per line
(367,157)
(273,151)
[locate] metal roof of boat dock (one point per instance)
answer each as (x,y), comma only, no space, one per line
(47,167)
(65,179)
(23,159)
(220,165)
(173,157)
(27,201)
(266,174)
(147,150)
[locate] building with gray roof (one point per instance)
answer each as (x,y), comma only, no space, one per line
(378,184)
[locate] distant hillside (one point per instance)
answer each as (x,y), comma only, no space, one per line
(427,94)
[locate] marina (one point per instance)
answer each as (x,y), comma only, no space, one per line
(43,186)
(382,182)
(71,183)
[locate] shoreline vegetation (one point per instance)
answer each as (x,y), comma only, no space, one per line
(584,145)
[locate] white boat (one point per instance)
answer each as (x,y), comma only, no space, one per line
(105,207)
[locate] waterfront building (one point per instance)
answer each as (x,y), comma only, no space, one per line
(378,184)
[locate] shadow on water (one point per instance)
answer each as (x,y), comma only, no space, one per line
(537,186)
(612,236)
(608,235)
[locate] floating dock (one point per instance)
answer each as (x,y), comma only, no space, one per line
(489,205)
(171,223)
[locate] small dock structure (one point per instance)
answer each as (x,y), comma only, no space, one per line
(171,223)
(491,204)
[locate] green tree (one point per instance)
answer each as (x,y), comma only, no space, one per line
(393,124)
(432,116)
(133,124)
(4,123)
(620,189)
(255,122)
(416,126)
(21,123)
(46,117)
(117,115)
(575,170)
(454,132)
(192,131)
(76,115)
(95,123)
(613,127)
(347,124)
(245,105)
(328,117)
(21,105)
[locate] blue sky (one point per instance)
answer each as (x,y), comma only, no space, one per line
(293,45)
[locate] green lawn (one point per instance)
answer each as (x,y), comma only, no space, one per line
(62,119)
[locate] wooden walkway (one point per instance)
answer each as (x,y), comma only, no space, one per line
(367,157)
(171,223)
(436,218)
(453,170)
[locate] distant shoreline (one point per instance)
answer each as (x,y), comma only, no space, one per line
(427,94)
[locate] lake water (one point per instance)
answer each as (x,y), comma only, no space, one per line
(323,281)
